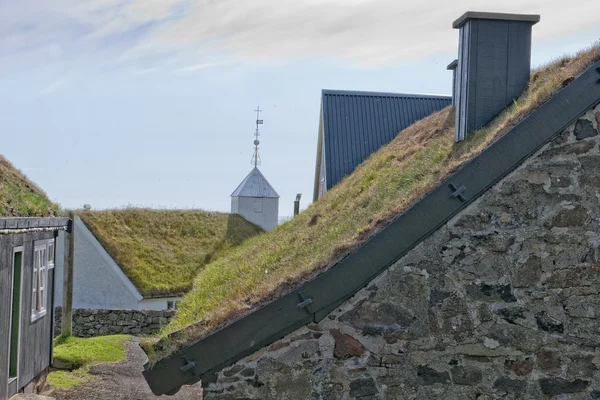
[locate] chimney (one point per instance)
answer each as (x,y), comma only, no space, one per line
(297,204)
(494,61)
(452,67)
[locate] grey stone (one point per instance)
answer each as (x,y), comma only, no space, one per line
(508,385)
(584,129)
(547,323)
(464,375)
(363,387)
(430,376)
(556,386)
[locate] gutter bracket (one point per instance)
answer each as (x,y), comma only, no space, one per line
(457,192)
(188,364)
(305,302)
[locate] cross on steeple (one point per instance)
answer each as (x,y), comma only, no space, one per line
(256,157)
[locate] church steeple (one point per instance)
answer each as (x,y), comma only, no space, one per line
(254,198)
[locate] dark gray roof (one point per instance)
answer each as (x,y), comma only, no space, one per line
(356,124)
(255,185)
(533,18)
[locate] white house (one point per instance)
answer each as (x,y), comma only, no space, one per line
(99,282)
(256,200)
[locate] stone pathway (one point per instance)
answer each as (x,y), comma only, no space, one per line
(122,381)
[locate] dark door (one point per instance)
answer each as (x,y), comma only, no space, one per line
(15,320)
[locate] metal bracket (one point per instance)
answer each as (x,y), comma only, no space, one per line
(458,191)
(189,364)
(305,303)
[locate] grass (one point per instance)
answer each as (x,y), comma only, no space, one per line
(390,181)
(162,251)
(19,197)
(80,354)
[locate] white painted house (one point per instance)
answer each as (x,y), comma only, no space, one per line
(99,282)
(256,200)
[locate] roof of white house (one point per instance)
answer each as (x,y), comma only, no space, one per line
(255,185)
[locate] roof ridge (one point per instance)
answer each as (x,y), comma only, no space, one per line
(341,92)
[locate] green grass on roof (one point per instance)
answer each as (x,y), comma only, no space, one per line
(162,251)
(387,183)
(19,197)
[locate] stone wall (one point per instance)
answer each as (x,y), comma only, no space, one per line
(501,302)
(88,323)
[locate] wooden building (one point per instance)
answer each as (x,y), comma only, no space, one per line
(27,261)
(29,237)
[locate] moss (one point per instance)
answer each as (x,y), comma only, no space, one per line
(19,197)
(162,251)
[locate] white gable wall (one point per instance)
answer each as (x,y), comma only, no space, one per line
(98,282)
(262,211)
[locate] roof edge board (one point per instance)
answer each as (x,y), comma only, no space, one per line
(532,18)
(328,92)
(244,335)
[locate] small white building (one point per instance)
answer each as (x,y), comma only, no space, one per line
(256,200)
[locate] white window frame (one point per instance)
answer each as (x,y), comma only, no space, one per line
(43,261)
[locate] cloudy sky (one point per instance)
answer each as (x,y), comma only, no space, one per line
(150,102)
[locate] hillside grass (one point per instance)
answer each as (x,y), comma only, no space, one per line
(386,184)
(162,251)
(80,354)
(19,197)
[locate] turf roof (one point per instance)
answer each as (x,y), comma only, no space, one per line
(19,197)
(386,184)
(161,251)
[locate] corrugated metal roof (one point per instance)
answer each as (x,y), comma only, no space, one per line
(255,185)
(356,124)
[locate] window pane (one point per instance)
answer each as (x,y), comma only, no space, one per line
(51,251)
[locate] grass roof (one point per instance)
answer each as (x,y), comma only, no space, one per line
(162,251)
(19,197)
(386,184)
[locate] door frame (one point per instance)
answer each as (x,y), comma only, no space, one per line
(15,250)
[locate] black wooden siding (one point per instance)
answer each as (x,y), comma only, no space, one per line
(35,337)
(356,124)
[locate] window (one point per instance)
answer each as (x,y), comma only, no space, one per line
(258,205)
(172,304)
(43,260)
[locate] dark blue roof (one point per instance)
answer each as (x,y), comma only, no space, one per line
(356,124)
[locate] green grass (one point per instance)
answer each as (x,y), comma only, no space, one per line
(66,380)
(19,197)
(83,352)
(80,354)
(162,251)
(390,181)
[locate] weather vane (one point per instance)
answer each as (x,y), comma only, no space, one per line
(256,157)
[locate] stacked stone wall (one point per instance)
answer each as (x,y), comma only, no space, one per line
(502,302)
(89,323)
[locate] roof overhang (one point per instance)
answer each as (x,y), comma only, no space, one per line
(532,18)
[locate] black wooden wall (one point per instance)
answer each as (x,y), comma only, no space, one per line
(35,337)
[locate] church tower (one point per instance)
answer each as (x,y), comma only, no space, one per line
(254,198)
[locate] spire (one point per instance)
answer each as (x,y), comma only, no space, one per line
(256,157)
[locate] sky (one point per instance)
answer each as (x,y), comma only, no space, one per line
(151,103)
